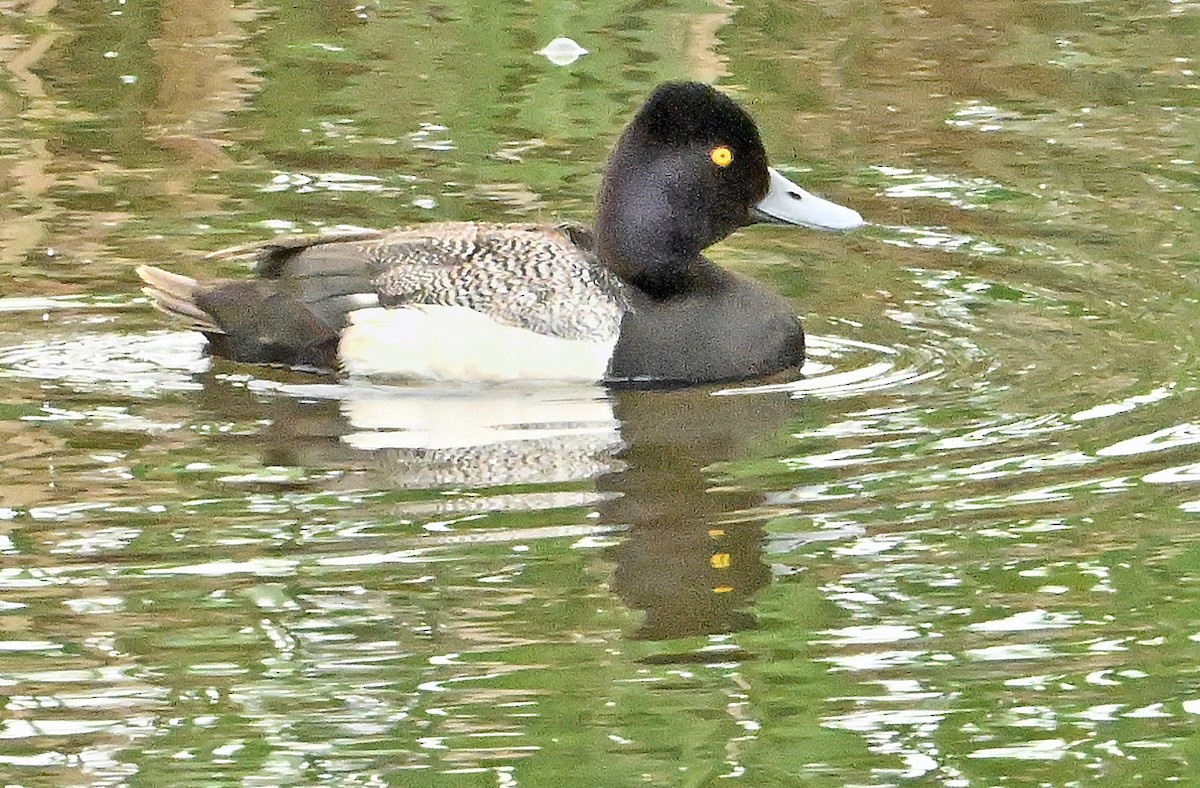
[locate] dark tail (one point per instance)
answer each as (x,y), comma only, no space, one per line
(175,295)
(246,320)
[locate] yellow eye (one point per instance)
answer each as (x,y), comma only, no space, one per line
(721,156)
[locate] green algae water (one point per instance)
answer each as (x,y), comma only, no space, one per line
(961,549)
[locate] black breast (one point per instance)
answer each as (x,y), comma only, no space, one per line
(725,328)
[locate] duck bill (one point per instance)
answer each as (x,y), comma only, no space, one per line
(787,203)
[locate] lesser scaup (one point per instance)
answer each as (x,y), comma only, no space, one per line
(632,301)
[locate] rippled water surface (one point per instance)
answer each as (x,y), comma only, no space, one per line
(961,549)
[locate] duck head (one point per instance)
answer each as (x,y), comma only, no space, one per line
(689,170)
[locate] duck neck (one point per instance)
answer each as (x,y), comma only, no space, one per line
(646,234)
(657,264)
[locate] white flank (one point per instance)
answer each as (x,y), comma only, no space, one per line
(452,343)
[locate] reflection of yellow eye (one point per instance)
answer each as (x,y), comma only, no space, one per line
(721,156)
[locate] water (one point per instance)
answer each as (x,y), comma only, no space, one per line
(961,550)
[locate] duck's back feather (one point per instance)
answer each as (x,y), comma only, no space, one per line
(533,277)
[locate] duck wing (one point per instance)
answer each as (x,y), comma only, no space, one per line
(542,278)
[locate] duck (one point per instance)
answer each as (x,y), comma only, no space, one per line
(631,300)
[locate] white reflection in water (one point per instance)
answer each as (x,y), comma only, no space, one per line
(429,137)
(1125,405)
(835,459)
(881,633)
(95,698)
(29,645)
(1006,466)
(1012,651)
(936,238)
(100,540)
(140,365)
(41,759)
(263,567)
(27,729)
(1038,717)
(1028,620)
(872,368)
(872,423)
(1004,431)
(1048,494)
(302,183)
(426,553)
(107,417)
(66,511)
(873,545)
(874,720)
(1186,434)
(881,660)
(95,605)
(982,117)
(1177,475)
(476,436)
(957,191)
(1046,749)
(1104,712)
(905,733)
(44,305)
(905,689)
(436,418)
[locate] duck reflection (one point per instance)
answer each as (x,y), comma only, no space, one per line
(690,556)
(421,438)
(691,559)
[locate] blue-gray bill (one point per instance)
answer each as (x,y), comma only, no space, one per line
(787,203)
